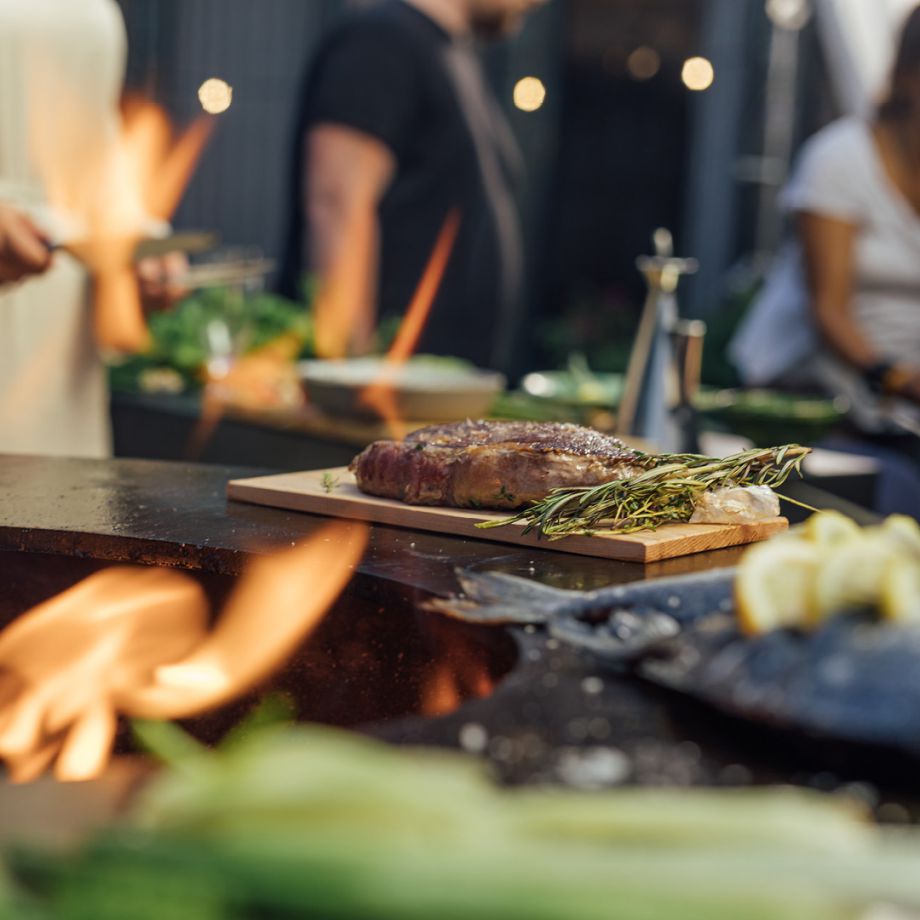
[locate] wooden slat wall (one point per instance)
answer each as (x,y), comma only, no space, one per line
(261,48)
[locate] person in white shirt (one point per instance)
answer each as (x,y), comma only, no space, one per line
(841,307)
(53,393)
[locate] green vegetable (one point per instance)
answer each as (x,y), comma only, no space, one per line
(522,406)
(184,339)
(181,336)
(14,904)
(765,416)
(303,821)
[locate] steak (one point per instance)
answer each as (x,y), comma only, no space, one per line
(491,464)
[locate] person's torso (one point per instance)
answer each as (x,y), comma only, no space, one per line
(458,157)
(886,278)
(52,52)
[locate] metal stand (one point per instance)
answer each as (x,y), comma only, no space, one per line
(664,366)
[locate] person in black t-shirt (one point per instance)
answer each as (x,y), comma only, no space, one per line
(398,131)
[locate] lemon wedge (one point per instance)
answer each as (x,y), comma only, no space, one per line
(900,590)
(904,531)
(851,575)
(830,529)
(774,588)
(827,566)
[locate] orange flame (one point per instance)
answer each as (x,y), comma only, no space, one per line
(380,396)
(441,694)
(342,310)
(136,642)
(263,380)
(112,183)
(457,676)
(413,325)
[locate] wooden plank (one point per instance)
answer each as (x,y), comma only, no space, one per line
(311,492)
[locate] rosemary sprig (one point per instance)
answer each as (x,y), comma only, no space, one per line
(664,493)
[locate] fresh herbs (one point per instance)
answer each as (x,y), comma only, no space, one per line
(664,493)
(329,482)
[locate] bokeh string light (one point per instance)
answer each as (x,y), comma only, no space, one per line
(698,74)
(215,96)
(529,94)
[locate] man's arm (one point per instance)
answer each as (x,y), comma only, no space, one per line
(348,173)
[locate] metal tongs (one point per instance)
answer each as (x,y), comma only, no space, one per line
(188,242)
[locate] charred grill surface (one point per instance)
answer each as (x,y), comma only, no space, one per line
(500,465)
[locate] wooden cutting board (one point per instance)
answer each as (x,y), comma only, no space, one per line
(333,493)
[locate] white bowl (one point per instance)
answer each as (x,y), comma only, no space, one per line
(423,389)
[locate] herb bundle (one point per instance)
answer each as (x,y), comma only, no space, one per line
(664,493)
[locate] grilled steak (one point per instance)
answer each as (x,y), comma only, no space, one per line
(490,464)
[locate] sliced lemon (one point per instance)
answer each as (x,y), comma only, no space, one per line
(900,590)
(827,566)
(774,587)
(904,531)
(851,575)
(830,528)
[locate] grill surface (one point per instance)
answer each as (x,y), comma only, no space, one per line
(554,715)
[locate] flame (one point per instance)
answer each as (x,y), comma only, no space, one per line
(112,182)
(441,694)
(136,642)
(280,601)
(342,313)
(67,655)
(380,396)
(458,674)
(264,379)
(412,326)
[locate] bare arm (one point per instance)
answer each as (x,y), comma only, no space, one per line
(829,246)
(348,173)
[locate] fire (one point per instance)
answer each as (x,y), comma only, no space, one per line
(109,190)
(380,396)
(265,379)
(344,320)
(136,642)
(458,674)
(441,694)
(413,325)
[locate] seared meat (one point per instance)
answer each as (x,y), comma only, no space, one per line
(491,464)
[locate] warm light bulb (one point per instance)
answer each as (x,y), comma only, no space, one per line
(215,95)
(529,94)
(698,74)
(643,63)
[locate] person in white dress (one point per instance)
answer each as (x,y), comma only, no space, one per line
(842,306)
(57,58)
